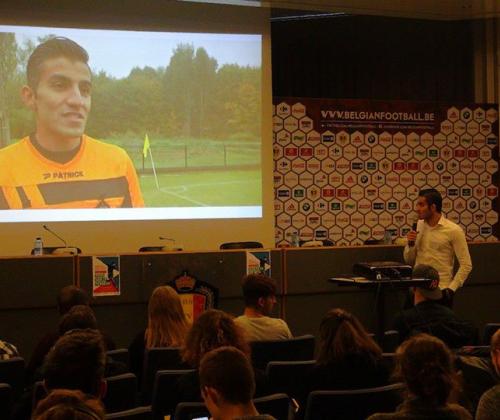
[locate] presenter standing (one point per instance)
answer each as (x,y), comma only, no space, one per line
(58,166)
(437,241)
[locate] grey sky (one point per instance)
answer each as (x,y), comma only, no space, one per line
(117,52)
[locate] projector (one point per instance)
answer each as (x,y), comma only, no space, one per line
(382,270)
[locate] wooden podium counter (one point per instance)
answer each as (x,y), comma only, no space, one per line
(29,286)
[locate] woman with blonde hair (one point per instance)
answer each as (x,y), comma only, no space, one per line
(167,326)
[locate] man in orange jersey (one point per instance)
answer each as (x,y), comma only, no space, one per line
(58,166)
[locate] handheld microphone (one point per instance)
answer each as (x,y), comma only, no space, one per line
(56,235)
(414,228)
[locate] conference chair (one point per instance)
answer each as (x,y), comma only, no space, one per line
(190,411)
(389,360)
(39,393)
(241,245)
(489,329)
(297,348)
(6,399)
(289,377)
(160,358)
(276,405)
(353,404)
(121,393)
(163,400)
(12,373)
(119,355)
(390,342)
(139,413)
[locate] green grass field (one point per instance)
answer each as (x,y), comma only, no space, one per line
(204,188)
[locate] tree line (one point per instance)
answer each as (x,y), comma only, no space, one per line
(190,97)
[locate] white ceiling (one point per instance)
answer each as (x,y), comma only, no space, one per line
(422,9)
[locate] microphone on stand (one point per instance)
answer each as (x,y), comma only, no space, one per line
(414,228)
(56,235)
(65,249)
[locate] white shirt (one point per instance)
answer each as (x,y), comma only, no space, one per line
(438,246)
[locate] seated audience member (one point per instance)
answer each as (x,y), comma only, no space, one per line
(7,350)
(348,357)
(213,329)
(82,317)
(259,292)
(429,316)
(227,385)
(77,362)
(63,404)
(489,404)
(425,365)
(68,297)
(167,326)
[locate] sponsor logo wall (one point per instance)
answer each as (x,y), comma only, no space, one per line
(350,170)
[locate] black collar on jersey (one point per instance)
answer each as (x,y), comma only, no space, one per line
(59,157)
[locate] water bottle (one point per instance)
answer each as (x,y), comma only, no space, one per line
(295,239)
(387,237)
(38,246)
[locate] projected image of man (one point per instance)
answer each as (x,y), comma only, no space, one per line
(59,166)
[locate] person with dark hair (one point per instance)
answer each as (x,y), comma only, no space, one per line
(77,361)
(212,329)
(436,242)
(428,315)
(167,326)
(482,379)
(425,365)
(70,296)
(348,358)
(259,292)
(63,404)
(227,385)
(58,166)
(67,298)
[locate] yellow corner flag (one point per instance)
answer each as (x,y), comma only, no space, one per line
(146,146)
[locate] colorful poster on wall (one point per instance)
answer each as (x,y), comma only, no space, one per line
(350,170)
(259,262)
(106,276)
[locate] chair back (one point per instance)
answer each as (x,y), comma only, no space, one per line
(353,404)
(139,413)
(121,393)
(241,245)
(39,393)
(297,348)
(6,399)
(190,411)
(12,373)
(390,342)
(119,355)
(289,377)
(161,358)
(276,405)
(489,329)
(163,401)
(389,361)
